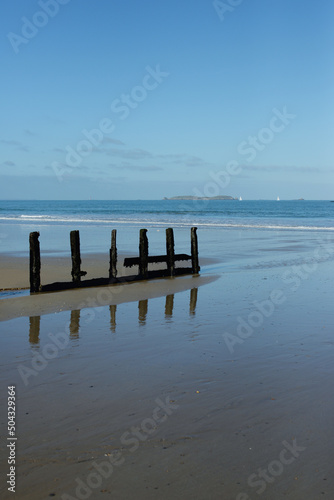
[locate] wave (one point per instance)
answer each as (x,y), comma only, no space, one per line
(187,221)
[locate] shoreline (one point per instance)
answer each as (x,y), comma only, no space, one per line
(82,298)
(14,270)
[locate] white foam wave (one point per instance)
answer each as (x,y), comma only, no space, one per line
(186,222)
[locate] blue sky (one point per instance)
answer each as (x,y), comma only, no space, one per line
(125,100)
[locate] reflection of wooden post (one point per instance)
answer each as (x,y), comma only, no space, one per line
(112,310)
(194,251)
(75,323)
(143,253)
(113,256)
(169,305)
(170,251)
(34,329)
(76,259)
(142,310)
(193,300)
(35,263)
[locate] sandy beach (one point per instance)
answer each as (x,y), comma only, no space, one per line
(209,387)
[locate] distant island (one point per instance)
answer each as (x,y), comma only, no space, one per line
(223,197)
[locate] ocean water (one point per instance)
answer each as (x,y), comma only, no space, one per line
(259,232)
(183,213)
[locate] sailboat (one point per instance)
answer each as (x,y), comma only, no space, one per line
(240,199)
(278,198)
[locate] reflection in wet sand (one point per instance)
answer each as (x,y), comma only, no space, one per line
(112,310)
(193,301)
(74,326)
(34,330)
(169,306)
(142,308)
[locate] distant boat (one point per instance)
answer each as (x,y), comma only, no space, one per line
(278,198)
(240,199)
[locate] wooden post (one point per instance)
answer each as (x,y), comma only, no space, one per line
(76,259)
(35,263)
(194,251)
(170,251)
(113,256)
(143,253)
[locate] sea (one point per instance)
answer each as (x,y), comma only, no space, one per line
(229,230)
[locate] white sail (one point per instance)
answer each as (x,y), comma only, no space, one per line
(277,198)
(240,199)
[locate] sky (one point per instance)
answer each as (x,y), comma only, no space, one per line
(144,99)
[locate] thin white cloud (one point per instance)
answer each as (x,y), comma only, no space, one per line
(8,163)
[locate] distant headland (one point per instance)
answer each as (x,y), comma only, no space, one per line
(223,197)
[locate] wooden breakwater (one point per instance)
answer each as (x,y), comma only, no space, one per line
(142,261)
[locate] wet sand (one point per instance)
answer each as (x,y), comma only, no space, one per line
(194,392)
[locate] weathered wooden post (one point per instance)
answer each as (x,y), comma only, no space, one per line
(194,251)
(35,263)
(169,306)
(170,251)
(113,256)
(193,301)
(76,259)
(143,253)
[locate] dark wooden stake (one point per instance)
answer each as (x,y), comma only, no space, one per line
(35,263)
(194,251)
(170,251)
(143,253)
(76,258)
(113,256)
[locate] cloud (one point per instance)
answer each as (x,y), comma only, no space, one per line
(8,163)
(19,145)
(110,140)
(139,168)
(185,160)
(29,132)
(132,154)
(10,143)
(284,168)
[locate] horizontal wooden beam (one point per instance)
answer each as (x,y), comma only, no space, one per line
(154,259)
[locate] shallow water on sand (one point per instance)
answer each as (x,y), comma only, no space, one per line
(244,365)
